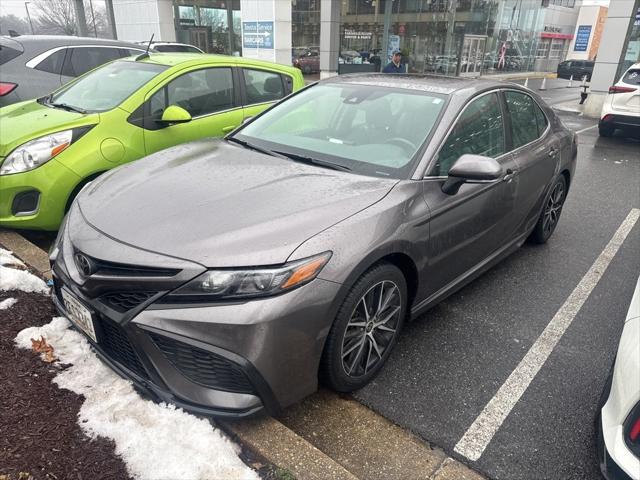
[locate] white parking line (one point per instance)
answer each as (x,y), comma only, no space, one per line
(588,128)
(477,437)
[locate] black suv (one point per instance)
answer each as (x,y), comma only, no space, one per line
(577,68)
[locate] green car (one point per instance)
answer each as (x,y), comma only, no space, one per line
(51,147)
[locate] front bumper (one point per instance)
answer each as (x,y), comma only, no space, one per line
(53,182)
(224,359)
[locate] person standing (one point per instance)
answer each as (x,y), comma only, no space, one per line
(395,65)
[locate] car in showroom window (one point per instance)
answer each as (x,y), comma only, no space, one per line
(294,249)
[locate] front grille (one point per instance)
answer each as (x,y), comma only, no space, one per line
(116,345)
(114,269)
(124,301)
(204,367)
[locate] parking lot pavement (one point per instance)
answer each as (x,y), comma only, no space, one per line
(450,363)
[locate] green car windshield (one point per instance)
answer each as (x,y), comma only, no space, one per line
(106,87)
(368,129)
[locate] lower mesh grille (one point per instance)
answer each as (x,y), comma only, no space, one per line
(117,346)
(125,301)
(204,367)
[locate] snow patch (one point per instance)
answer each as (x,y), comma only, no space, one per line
(16,279)
(155,441)
(8,303)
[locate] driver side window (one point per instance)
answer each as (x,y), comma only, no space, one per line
(479,130)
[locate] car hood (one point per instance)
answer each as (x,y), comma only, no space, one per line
(25,121)
(222,205)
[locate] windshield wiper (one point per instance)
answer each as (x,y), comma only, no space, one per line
(251,146)
(67,107)
(314,161)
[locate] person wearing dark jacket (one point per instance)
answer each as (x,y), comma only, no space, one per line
(394,65)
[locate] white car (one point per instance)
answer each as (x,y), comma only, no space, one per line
(621,108)
(618,423)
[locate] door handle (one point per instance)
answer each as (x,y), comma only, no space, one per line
(510,174)
(553,152)
(229,128)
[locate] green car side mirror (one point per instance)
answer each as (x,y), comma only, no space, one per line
(175,114)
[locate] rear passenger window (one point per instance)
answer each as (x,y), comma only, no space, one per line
(81,60)
(479,130)
(262,86)
(632,77)
(53,63)
(527,121)
(200,92)
(288,84)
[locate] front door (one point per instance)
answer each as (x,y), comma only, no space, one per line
(472,57)
(467,227)
(207,94)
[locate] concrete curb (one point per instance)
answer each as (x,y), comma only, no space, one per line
(29,253)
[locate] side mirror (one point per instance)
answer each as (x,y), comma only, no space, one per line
(174,114)
(471,169)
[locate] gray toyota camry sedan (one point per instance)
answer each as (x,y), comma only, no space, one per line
(230,276)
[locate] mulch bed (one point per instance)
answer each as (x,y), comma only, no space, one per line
(39,433)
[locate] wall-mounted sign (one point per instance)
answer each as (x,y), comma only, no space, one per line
(357,35)
(582,38)
(394,44)
(257,35)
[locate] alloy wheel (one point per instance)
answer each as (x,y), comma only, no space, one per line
(553,208)
(371,328)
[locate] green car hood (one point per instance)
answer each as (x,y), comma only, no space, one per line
(25,121)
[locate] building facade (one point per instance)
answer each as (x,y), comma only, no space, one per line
(454,37)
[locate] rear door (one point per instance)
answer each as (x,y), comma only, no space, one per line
(261,88)
(628,101)
(537,153)
(466,228)
(208,94)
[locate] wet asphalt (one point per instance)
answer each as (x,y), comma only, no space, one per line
(450,362)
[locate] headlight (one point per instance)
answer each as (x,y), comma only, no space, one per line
(259,282)
(36,152)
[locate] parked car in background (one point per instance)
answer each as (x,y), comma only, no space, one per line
(171,47)
(51,147)
(578,69)
(34,65)
(228,275)
(621,108)
(618,420)
(308,61)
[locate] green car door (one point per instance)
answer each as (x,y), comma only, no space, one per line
(209,97)
(261,88)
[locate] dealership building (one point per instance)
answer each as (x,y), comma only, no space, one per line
(454,37)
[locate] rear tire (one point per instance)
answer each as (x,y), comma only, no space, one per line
(366,329)
(551,210)
(606,130)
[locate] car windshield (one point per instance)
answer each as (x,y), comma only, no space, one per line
(106,87)
(371,130)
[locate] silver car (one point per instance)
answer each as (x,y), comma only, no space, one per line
(228,276)
(34,65)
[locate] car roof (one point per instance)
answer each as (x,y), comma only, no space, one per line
(52,41)
(425,83)
(176,58)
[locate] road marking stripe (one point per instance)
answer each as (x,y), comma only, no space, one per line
(588,128)
(477,437)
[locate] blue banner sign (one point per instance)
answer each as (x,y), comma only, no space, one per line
(257,35)
(582,38)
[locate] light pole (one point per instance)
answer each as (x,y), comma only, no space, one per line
(26,6)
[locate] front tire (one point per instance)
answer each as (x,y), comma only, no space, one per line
(365,329)
(551,211)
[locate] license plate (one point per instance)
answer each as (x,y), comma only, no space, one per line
(79,314)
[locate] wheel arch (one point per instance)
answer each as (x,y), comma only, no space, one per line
(79,186)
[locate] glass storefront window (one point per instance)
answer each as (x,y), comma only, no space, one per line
(305,35)
(211,25)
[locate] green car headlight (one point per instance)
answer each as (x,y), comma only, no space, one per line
(250,283)
(37,152)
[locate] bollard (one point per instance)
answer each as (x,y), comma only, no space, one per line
(544,84)
(570,82)
(526,82)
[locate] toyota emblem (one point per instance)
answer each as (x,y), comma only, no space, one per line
(84,264)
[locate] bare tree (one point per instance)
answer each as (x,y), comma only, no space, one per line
(58,17)
(11,22)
